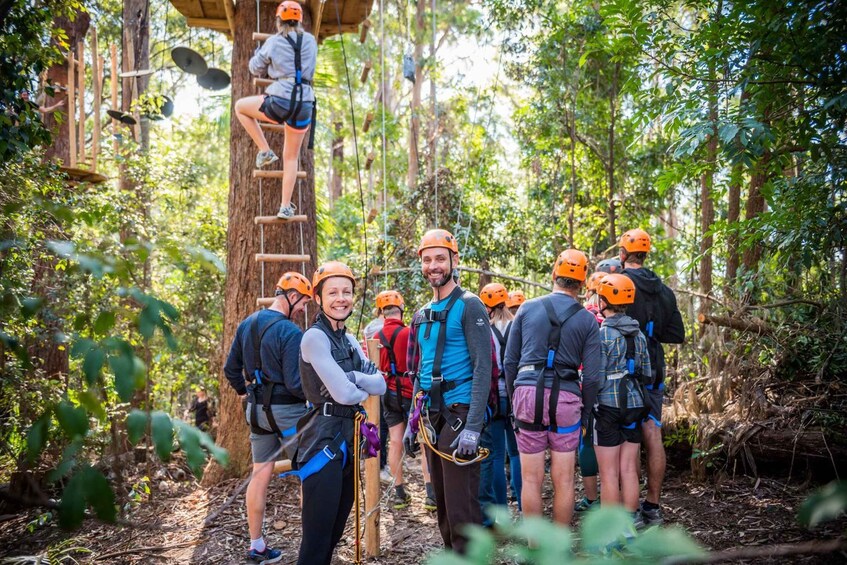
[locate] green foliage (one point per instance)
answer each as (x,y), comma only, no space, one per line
(88,487)
(606,535)
(826,504)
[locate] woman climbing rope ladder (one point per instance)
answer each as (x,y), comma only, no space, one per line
(289,58)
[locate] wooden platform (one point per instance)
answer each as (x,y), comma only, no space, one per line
(218,15)
(83,175)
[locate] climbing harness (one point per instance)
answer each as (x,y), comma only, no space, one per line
(420,424)
(553,373)
(267,385)
(388,345)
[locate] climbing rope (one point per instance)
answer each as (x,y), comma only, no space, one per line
(435,115)
(384,145)
(426,429)
(357,457)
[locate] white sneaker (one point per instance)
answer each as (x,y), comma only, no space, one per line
(264,158)
(385,475)
(286,212)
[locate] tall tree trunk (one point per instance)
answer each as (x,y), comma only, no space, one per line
(755,206)
(613,99)
(415,123)
(732,217)
(707,181)
(243,279)
(336,188)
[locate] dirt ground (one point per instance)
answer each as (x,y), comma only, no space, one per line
(742,511)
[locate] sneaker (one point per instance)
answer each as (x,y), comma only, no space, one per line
(400,501)
(651,517)
(384,475)
(286,212)
(585,504)
(637,520)
(429,504)
(267,556)
(264,158)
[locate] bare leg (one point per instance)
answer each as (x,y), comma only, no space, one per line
(589,485)
(257,492)
(562,465)
(656,461)
(247,112)
(395,452)
(629,475)
(532,473)
(608,458)
(290,153)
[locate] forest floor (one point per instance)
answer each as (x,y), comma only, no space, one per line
(741,511)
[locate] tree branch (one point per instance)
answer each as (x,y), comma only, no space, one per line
(817,547)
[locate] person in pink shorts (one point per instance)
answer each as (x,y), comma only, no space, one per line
(550,338)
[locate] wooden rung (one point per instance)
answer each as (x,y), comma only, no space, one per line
(365,71)
(260,82)
(284,465)
(372,215)
(264,301)
(281,258)
(261,36)
(368,119)
(272,127)
(363,32)
(369,161)
(273,220)
(262,174)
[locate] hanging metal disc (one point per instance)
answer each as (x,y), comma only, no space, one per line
(122,117)
(168,107)
(189,60)
(214,79)
(136,73)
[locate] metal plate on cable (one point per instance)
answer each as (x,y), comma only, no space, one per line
(136,73)
(122,117)
(189,60)
(165,111)
(214,79)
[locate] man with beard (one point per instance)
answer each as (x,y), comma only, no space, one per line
(266,353)
(454,370)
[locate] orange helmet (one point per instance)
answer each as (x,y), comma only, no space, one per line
(571,264)
(516,298)
(594,280)
(332,269)
(636,241)
(438,238)
(290,10)
(388,298)
(294,281)
(494,294)
(617,289)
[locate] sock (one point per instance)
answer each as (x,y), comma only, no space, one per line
(646,505)
(400,491)
(258,544)
(430,492)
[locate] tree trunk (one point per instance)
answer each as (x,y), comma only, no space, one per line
(732,216)
(415,123)
(244,275)
(755,206)
(432,161)
(613,99)
(336,189)
(707,205)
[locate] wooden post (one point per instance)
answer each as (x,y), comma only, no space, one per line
(80,89)
(113,84)
(97,79)
(372,487)
(368,119)
(363,33)
(365,71)
(71,111)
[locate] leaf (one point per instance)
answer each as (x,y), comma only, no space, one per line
(29,306)
(36,436)
(136,425)
(99,495)
(163,434)
(825,504)
(81,347)
(72,505)
(93,364)
(87,487)
(105,321)
(658,543)
(196,444)
(122,367)
(72,419)
(89,399)
(604,526)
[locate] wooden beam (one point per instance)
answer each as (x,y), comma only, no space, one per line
(229,9)
(740,324)
(366,71)
(372,487)
(317,19)
(368,119)
(80,89)
(261,174)
(273,220)
(261,82)
(261,36)
(97,79)
(282,466)
(281,258)
(215,24)
(113,83)
(363,32)
(369,161)
(71,112)
(272,127)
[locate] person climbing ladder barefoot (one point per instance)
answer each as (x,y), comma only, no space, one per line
(289,57)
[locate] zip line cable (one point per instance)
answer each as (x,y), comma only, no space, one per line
(384,144)
(358,164)
(435,115)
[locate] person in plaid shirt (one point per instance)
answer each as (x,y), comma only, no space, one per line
(620,406)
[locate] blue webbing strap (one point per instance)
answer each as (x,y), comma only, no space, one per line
(319,461)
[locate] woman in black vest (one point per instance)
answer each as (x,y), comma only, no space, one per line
(336,378)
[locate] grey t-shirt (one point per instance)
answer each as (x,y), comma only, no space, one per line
(275,59)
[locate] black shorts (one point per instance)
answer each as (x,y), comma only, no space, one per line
(277,107)
(609,430)
(390,411)
(653,400)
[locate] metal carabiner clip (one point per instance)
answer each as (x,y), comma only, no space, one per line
(464,463)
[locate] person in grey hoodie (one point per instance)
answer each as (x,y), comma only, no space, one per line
(620,409)
(289,58)
(657,314)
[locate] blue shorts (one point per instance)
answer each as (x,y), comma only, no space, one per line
(277,107)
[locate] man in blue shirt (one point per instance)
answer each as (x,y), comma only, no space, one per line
(454,368)
(266,353)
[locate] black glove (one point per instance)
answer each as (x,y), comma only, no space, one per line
(410,442)
(466,444)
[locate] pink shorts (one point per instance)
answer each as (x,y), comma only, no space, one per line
(568,412)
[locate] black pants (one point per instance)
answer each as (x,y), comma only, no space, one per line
(327,500)
(456,488)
